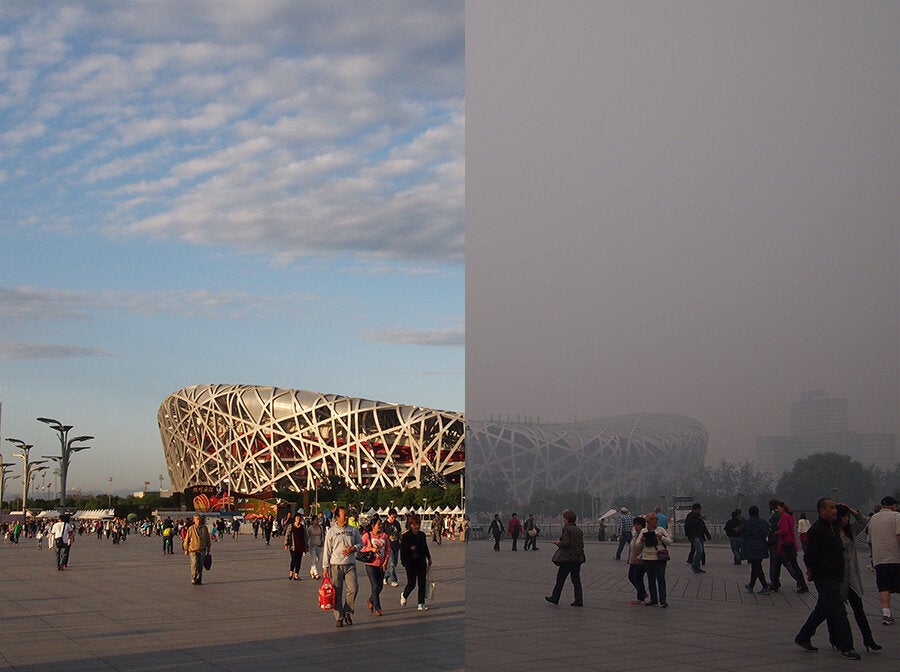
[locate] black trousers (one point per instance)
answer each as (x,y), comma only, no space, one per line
(416,572)
(756,572)
(829,607)
(572,569)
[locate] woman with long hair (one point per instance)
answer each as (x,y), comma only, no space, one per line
(416,559)
(376,540)
(295,542)
(787,545)
(851,587)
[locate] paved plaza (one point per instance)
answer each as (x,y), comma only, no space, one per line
(129,607)
(712,623)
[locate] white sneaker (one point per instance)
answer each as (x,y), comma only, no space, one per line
(394,584)
(402,601)
(422,607)
(385,582)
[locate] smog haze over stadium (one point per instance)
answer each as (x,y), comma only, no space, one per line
(685,208)
(266,193)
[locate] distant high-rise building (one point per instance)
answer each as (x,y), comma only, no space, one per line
(816,415)
(777,454)
(820,424)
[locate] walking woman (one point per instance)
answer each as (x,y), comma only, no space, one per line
(376,540)
(851,587)
(315,540)
(569,557)
(787,545)
(295,542)
(652,545)
(416,559)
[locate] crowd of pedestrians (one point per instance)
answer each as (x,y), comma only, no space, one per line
(829,548)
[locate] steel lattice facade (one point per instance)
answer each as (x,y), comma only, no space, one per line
(263,438)
(606,457)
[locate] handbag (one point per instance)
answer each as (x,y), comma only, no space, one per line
(429,587)
(365,556)
(207,561)
(326,594)
(663,554)
(788,550)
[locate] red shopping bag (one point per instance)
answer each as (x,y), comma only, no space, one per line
(326,595)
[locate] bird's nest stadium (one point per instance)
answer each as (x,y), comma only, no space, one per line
(260,439)
(607,457)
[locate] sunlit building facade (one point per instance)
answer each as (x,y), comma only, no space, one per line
(259,439)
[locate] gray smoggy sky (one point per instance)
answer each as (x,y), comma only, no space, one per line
(686,207)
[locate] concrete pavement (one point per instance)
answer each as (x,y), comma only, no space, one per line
(712,623)
(129,607)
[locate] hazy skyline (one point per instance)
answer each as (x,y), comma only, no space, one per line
(687,208)
(266,193)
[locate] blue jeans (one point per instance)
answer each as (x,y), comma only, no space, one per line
(624,540)
(390,573)
(62,554)
(376,583)
(697,545)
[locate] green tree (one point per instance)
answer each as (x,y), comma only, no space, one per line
(826,475)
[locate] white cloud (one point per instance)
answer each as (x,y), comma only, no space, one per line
(30,304)
(46,351)
(298,130)
(443,337)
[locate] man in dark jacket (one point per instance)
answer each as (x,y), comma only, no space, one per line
(496,530)
(824,560)
(697,533)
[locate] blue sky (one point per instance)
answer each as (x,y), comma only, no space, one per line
(268,193)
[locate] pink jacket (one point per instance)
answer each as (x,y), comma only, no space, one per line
(786,531)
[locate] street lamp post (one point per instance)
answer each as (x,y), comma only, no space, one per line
(66,450)
(4,470)
(28,470)
(109,494)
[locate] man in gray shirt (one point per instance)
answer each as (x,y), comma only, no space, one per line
(342,541)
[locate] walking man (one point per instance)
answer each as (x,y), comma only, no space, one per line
(626,523)
(196,544)
(393,531)
(884,534)
(697,533)
(825,565)
(342,541)
(61,533)
(496,530)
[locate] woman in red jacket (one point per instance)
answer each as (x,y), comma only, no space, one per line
(787,545)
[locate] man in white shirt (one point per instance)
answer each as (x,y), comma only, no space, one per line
(342,541)
(61,533)
(884,535)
